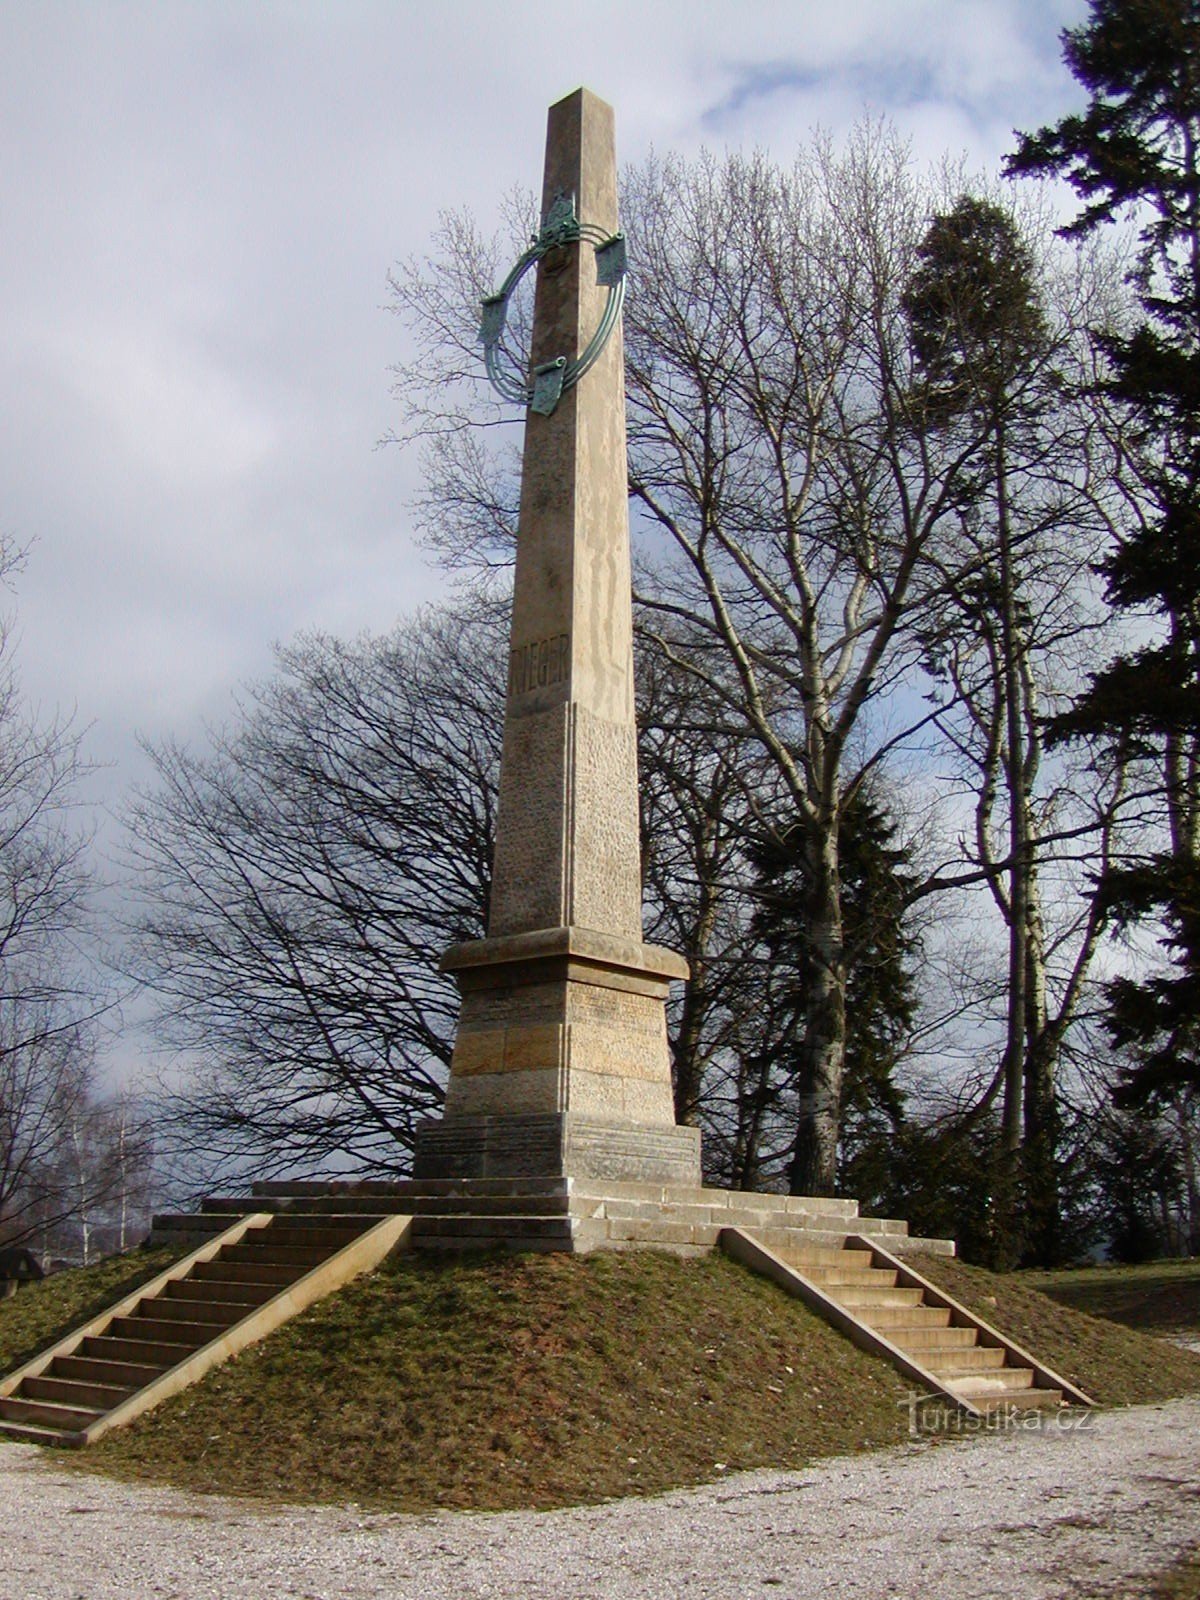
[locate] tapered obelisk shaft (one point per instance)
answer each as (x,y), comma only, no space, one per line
(561,1061)
(569,774)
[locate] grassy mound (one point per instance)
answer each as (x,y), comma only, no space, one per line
(520,1381)
(535,1381)
(1155,1296)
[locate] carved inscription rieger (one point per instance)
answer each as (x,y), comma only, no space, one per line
(533,666)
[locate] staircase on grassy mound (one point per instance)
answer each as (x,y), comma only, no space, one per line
(233,1290)
(886,1307)
(847,1267)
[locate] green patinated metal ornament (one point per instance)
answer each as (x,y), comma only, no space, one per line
(560,227)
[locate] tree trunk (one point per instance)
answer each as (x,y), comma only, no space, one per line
(1019,853)
(1191,1178)
(752,1100)
(1009,1184)
(687,1060)
(1043,1202)
(813,1167)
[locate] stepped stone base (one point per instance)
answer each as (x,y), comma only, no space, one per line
(568,1214)
(577,1147)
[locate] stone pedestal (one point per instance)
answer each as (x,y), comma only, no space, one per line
(561,1063)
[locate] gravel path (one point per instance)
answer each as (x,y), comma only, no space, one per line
(1068,1511)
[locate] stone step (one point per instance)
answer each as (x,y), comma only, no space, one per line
(109,1374)
(838,1278)
(235,1291)
(75,1392)
(863,1300)
(147,1330)
(1030,1399)
(793,1209)
(807,1256)
(755,1218)
(159,1353)
(913,1248)
(466,1231)
(925,1340)
(457,1244)
(893,1320)
(783,1241)
(299,1210)
(343,1217)
(319,1206)
(516,1203)
(644,1231)
(488,1205)
(686,1252)
(276,1255)
(483,1205)
(166,1308)
(30,1433)
(252,1272)
(171,1227)
(310,1233)
(723,1200)
(968,1359)
(973,1383)
(402,1188)
(47,1414)
(468,1226)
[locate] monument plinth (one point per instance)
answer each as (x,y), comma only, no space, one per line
(561,1063)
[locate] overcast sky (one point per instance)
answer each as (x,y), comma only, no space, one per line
(200,203)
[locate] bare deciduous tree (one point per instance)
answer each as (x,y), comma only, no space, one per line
(300,881)
(49,1004)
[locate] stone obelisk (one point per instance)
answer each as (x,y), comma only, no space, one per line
(561,1063)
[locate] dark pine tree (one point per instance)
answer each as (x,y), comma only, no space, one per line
(986,378)
(1135,152)
(880,947)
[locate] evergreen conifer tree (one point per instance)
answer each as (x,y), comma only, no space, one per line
(1135,153)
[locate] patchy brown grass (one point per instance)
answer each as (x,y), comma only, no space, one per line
(520,1381)
(41,1313)
(1154,1296)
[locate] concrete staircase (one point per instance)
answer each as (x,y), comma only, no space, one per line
(885,1306)
(247,1278)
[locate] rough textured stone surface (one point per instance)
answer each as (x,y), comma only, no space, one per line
(569,816)
(480,1146)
